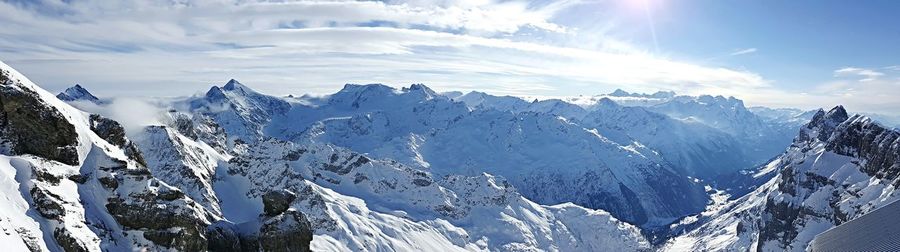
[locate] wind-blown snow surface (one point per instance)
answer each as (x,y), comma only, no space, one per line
(837,169)
(219,154)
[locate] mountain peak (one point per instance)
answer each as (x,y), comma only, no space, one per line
(620,93)
(607,103)
(838,113)
(420,88)
(234,85)
(75,93)
(826,122)
(663,94)
(357,88)
(831,118)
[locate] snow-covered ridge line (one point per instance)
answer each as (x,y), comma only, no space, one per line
(839,167)
(217,156)
(74,182)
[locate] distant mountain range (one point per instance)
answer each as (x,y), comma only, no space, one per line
(372,167)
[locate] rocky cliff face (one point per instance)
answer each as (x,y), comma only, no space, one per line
(838,168)
(30,126)
(74,182)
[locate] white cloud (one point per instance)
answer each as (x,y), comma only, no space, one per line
(743,51)
(867,74)
(154,48)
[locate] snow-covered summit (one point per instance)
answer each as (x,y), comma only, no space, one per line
(658,94)
(77,93)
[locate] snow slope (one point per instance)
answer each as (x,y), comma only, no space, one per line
(837,169)
(547,157)
(80,202)
(699,150)
(104,198)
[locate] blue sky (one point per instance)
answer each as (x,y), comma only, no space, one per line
(802,54)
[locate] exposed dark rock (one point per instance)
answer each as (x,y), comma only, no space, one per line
(289,231)
(67,242)
(49,205)
(276,202)
(421,182)
(31,240)
(223,236)
(880,147)
(167,226)
(114,133)
(294,155)
(42,175)
(185,126)
(827,122)
(170,194)
(109,182)
(30,126)
(78,178)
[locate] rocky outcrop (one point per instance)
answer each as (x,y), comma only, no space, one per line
(279,229)
(276,202)
(165,217)
(223,236)
(838,168)
(864,139)
(30,126)
(288,231)
(114,133)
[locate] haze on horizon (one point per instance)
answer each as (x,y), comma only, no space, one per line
(803,54)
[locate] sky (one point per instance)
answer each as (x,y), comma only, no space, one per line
(802,54)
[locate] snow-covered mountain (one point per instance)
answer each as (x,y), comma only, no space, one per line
(700,150)
(479,100)
(377,168)
(74,182)
(548,158)
(710,137)
(77,93)
(789,116)
(356,201)
(838,168)
(623,98)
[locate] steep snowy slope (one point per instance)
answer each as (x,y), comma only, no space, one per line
(352,202)
(760,139)
(355,202)
(72,181)
(837,169)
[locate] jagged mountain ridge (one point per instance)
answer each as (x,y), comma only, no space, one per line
(838,168)
(350,200)
(417,127)
(321,175)
(74,182)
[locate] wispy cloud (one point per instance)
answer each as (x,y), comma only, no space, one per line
(867,74)
(302,46)
(743,51)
